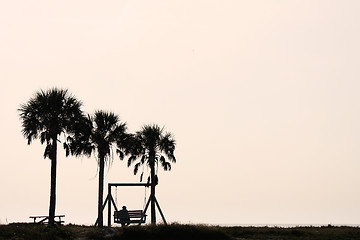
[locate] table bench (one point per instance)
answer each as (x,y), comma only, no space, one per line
(45,219)
(130,216)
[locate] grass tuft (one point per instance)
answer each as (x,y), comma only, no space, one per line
(173,231)
(25,231)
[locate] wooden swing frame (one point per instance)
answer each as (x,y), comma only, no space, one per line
(109,200)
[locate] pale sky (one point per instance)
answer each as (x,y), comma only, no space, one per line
(261,96)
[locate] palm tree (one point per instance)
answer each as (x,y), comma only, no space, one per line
(46,116)
(147,146)
(98,135)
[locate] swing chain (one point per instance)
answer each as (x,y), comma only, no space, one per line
(116,196)
(144,199)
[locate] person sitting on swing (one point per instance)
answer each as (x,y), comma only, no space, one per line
(125,219)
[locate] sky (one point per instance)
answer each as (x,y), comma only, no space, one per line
(262,97)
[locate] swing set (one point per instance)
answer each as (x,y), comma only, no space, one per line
(130,216)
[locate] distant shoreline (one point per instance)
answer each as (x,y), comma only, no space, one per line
(286,225)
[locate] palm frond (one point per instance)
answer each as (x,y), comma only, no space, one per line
(47,152)
(131,160)
(67,148)
(120,153)
(171,157)
(136,168)
(43,137)
(166,165)
(167,145)
(143,158)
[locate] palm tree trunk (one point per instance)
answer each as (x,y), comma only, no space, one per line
(101,190)
(53,182)
(152,195)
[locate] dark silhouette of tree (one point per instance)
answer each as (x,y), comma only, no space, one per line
(98,135)
(46,116)
(151,145)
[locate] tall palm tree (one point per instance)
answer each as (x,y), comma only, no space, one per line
(98,135)
(151,145)
(46,116)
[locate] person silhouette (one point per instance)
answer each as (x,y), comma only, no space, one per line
(125,218)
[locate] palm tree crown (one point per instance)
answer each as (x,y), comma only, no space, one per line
(98,135)
(152,140)
(49,114)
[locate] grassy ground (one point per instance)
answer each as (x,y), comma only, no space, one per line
(21,231)
(296,233)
